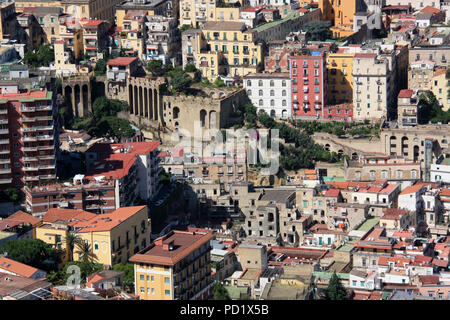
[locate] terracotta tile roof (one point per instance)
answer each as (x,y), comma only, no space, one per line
(107,221)
(91,23)
(439,71)
(403,234)
(365,55)
(67,215)
(430,9)
(405,93)
(440,263)
(8,224)
(183,243)
(412,189)
(429,279)
(393,213)
(116,166)
(16,267)
(121,61)
(10,284)
(24,217)
(332,193)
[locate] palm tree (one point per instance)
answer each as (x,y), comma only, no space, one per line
(85,252)
(72,240)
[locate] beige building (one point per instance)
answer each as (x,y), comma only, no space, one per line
(195,13)
(440,87)
(252,256)
(407,109)
(420,74)
(373,90)
(371,168)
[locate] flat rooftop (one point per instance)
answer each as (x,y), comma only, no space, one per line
(369,223)
(250,274)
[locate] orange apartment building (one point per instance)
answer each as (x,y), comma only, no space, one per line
(28,136)
(340,13)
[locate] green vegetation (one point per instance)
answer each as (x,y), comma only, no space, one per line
(180,81)
(430,110)
(85,253)
(100,67)
(190,68)
(219,83)
(33,252)
(128,275)
(155,67)
(12,195)
(72,240)
(338,128)
(335,289)
(44,55)
(317,30)
(86,269)
(185,27)
(104,121)
(220,292)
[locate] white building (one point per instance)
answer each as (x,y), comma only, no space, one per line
(362,280)
(440,172)
(270,92)
(411,198)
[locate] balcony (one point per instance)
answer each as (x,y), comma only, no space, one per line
(29,139)
(27,169)
(31,178)
(5,181)
(48,147)
(4,131)
(3,111)
(27,109)
(3,121)
(46,157)
(5,171)
(47,176)
(4,141)
(44,137)
(30,149)
(47,166)
(46,107)
(28,119)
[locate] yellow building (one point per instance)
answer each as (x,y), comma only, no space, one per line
(340,79)
(176,266)
(439,86)
(72,35)
(132,32)
(340,13)
(113,237)
(241,55)
(226,14)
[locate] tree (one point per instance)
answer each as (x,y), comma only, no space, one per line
(85,252)
(220,292)
(431,110)
(112,127)
(317,30)
(45,55)
(190,68)
(72,240)
(100,67)
(181,81)
(33,252)
(128,275)
(155,67)
(219,82)
(335,289)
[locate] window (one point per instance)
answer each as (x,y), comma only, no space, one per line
(142,277)
(249,83)
(166,280)
(260,83)
(354,283)
(153,278)
(272,83)
(272,93)
(142,290)
(283,93)
(260,93)
(260,102)
(167,292)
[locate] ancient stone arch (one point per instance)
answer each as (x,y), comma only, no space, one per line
(78,92)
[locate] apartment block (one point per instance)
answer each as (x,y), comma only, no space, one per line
(163,39)
(29,135)
(140,157)
(408,109)
(372,88)
(176,266)
(309,84)
(96,197)
(340,78)
(267,90)
(113,237)
(95,37)
(438,86)
(196,13)
(131,34)
(119,69)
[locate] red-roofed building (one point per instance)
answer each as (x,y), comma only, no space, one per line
(174,258)
(95,36)
(112,237)
(125,162)
(119,69)
(19,269)
(397,219)
(408,108)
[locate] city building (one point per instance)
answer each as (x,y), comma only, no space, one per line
(176,266)
(309,84)
(408,108)
(29,137)
(267,90)
(340,78)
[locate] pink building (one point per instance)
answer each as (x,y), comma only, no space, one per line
(308,75)
(339,112)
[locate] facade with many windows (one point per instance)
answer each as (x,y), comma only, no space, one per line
(308,84)
(270,92)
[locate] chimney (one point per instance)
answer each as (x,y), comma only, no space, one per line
(168,246)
